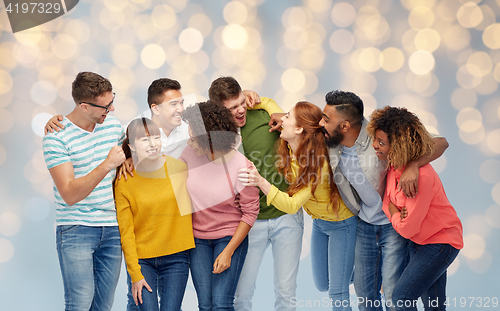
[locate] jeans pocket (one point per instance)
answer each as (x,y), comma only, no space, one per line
(66,228)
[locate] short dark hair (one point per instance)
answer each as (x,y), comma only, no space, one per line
(222,89)
(157,89)
(347,103)
(213,126)
(87,86)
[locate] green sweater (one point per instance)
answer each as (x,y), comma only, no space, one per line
(260,148)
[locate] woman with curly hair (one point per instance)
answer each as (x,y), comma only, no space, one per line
(305,165)
(224,209)
(428,220)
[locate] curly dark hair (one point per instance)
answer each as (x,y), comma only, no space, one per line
(213,126)
(157,89)
(408,137)
(347,103)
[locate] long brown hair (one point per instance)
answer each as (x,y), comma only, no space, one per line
(311,154)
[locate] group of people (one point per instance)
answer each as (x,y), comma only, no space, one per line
(211,186)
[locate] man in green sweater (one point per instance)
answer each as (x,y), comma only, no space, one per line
(283,231)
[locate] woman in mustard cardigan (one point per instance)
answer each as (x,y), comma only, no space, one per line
(154,218)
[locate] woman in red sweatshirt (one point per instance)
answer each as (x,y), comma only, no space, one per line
(428,220)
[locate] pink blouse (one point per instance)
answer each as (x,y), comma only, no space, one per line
(431,218)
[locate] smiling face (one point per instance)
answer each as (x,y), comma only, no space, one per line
(193,143)
(381,145)
(169,110)
(331,125)
(238,108)
(290,132)
(98,114)
(146,147)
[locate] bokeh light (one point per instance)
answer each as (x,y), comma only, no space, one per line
(43,93)
(490,171)
(3,155)
(456,37)
(296,18)
(421,17)
(393,59)
(6,82)
(235,36)
(153,56)
(427,39)
(342,41)
(490,36)
(493,141)
(293,80)
(343,14)
(10,224)
(235,12)
(474,246)
(191,40)
(164,17)
(469,15)
(421,62)
(6,250)
(479,64)
(492,216)
(6,120)
(467,80)
(370,59)
(482,264)
(64,46)
(125,56)
(463,98)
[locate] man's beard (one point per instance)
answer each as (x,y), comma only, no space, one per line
(334,139)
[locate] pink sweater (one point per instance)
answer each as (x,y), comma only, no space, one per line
(214,189)
(431,218)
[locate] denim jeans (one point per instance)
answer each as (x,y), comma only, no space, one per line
(284,233)
(215,291)
(131,306)
(167,276)
(380,258)
(425,277)
(90,260)
(332,258)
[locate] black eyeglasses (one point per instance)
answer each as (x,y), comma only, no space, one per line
(103,107)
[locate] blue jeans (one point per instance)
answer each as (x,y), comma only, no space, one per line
(167,276)
(379,259)
(332,258)
(90,260)
(425,277)
(215,291)
(131,306)
(284,233)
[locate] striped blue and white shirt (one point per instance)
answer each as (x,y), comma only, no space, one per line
(85,150)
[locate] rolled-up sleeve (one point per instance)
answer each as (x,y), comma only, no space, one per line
(249,204)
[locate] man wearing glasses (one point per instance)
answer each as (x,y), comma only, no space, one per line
(81,159)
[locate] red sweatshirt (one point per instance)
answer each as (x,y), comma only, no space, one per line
(431,218)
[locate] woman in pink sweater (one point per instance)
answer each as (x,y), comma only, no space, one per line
(428,220)
(224,209)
